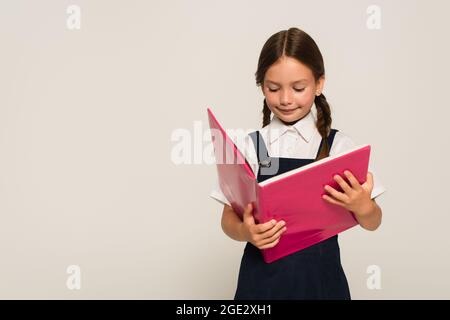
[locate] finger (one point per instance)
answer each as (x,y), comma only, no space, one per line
(332,201)
(263,227)
(369,180)
(270,245)
(344,185)
(336,194)
(275,236)
(269,233)
(248,216)
(353,181)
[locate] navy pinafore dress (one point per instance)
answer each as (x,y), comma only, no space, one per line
(312,273)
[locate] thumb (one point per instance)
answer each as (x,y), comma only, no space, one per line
(369,180)
(248,216)
(368,185)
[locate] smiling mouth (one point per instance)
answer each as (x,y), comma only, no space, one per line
(287,110)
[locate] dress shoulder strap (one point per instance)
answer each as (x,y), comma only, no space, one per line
(261,149)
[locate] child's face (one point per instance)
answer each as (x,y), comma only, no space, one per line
(287,97)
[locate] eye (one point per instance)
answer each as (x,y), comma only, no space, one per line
(297,90)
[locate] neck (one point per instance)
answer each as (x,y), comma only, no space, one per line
(290,123)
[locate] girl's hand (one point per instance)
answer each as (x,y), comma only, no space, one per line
(264,235)
(355,198)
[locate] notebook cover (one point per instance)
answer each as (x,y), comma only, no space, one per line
(297,199)
(236,178)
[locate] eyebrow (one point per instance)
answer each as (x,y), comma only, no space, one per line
(301,80)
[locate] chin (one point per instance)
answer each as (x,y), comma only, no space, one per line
(291,117)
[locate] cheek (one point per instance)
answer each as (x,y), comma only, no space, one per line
(272,99)
(305,98)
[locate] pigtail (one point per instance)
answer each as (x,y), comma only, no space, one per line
(266,114)
(323,124)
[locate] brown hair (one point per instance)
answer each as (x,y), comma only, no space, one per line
(297,44)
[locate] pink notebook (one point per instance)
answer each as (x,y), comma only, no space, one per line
(294,196)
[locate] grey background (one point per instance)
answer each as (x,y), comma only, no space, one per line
(86,119)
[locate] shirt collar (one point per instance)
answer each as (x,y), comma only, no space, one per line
(305,127)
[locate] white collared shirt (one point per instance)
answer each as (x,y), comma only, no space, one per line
(301,140)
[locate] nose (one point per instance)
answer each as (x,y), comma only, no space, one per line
(285,98)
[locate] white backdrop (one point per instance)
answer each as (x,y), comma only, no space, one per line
(88,115)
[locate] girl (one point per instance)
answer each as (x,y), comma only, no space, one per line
(291,75)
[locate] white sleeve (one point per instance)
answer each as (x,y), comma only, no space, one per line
(343,143)
(217,194)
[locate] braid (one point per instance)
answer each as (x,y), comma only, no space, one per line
(266,114)
(323,123)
